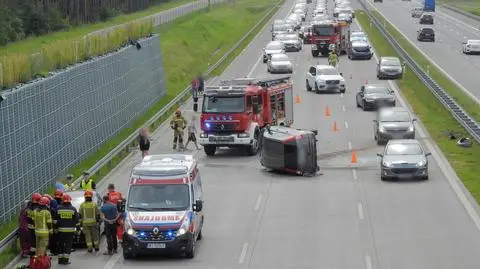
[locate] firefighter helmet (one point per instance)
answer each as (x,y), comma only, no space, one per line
(88,194)
(36,197)
(58,194)
(66,198)
(44,201)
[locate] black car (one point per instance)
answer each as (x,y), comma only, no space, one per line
(426,19)
(359,49)
(426,34)
(372,96)
(381,1)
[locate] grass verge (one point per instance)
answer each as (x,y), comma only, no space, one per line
(183,59)
(437,120)
(469,105)
(30,45)
(472,6)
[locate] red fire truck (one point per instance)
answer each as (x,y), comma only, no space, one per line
(326,35)
(234,113)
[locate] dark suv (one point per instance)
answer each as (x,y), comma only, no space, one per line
(426,19)
(426,34)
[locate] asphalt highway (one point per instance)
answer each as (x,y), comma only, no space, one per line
(344,218)
(451,30)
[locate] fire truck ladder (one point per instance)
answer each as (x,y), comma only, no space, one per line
(273,82)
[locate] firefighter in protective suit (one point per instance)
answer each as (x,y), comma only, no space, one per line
(67,225)
(43,226)
(32,207)
(178,125)
(89,216)
(332,58)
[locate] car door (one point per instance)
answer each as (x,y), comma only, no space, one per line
(198,197)
(360,95)
(312,72)
(378,65)
(376,123)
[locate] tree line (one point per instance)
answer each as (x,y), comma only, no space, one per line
(23,18)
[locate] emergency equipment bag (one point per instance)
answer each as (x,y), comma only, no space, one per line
(289,150)
(38,262)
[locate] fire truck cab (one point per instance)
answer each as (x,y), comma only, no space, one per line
(164,209)
(327,35)
(234,113)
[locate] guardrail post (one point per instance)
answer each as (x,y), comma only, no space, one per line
(428,69)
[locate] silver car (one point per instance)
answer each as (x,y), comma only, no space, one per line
(393,123)
(389,68)
(403,158)
(417,12)
(280,29)
(272,47)
(291,41)
(279,63)
(301,13)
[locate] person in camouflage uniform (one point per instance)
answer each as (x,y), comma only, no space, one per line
(178,125)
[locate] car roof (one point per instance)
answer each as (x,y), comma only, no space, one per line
(80,193)
(377,85)
(278,55)
(403,141)
(275,42)
(322,66)
(387,58)
(473,41)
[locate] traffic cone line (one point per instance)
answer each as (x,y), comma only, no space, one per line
(335,127)
(297,99)
(327,111)
(354,157)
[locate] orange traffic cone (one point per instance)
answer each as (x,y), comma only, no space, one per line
(327,111)
(335,127)
(297,99)
(354,157)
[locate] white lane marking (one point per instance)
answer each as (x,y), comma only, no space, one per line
(342,95)
(442,162)
(258,203)
(473,97)
(343,108)
(354,174)
(360,211)
(112,261)
(368,262)
(255,66)
(243,254)
(346,125)
(349,145)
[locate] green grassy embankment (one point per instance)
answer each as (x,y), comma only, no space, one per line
(450,87)
(188,45)
(437,120)
(472,6)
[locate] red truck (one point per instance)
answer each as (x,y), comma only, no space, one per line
(326,35)
(235,113)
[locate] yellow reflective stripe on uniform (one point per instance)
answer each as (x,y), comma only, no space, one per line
(66,213)
(67,229)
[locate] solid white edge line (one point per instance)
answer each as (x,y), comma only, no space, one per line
(346,125)
(360,211)
(354,174)
(349,145)
(368,262)
(344,108)
(112,261)
(474,98)
(258,203)
(243,254)
(468,202)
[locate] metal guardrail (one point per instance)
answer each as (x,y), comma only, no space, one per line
(464,13)
(462,117)
(164,112)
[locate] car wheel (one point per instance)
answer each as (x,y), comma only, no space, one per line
(342,91)
(309,89)
(425,178)
(364,106)
(379,141)
(127,255)
(358,105)
(200,236)
(378,75)
(383,178)
(316,88)
(209,150)
(253,149)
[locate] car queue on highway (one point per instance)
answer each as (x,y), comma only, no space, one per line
(165,211)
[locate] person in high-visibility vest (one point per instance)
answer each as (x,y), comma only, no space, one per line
(89,216)
(43,226)
(67,223)
(69,184)
(54,241)
(32,207)
(87,183)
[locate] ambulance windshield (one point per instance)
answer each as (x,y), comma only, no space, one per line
(157,197)
(230,104)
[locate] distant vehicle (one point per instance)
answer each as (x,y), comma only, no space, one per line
(346,10)
(77,199)
(380,1)
(403,158)
(393,123)
(324,78)
(429,5)
(291,42)
(389,68)
(296,20)
(328,35)
(426,18)
(279,63)
(345,17)
(319,10)
(300,13)
(359,49)
(471,46)
(304,33)
(235,112)
(278,29)
(272,47)
(373,96)
(417,12)
(426,34)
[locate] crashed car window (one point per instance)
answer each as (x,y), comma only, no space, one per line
(403,149)
(158,197)
(230,104)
